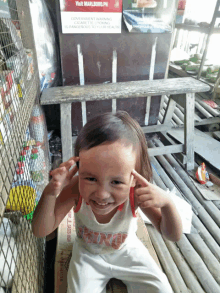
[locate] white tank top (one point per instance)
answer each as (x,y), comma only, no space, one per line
(105,238)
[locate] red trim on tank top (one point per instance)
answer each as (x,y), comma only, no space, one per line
(78,205)
(120,207)
(132,202)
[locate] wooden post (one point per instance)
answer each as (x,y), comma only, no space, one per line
(189,130)
(66,131)
(151,77)
(82,81)
(169,111)
(114,78)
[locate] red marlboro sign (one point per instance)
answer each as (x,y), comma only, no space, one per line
(91,16)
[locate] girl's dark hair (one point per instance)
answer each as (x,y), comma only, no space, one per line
(109,127)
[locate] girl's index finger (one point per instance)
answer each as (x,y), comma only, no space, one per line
(140,179)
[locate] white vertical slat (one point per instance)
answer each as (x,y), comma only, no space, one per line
(151,77)
(165,4)
(82,81)
(114,77)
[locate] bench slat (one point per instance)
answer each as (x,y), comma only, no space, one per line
(131,89)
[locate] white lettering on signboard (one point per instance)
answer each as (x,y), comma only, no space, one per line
(95,4)
(91,22)
(79,3)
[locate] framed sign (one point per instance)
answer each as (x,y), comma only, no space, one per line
(87,17)
(149,16)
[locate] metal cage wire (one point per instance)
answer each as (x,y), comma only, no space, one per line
(23,152)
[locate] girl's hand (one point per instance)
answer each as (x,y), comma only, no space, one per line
(149,195)
(62,176)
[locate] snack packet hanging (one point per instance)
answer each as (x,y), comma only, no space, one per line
(201,174)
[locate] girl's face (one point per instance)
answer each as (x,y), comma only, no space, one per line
(105,176)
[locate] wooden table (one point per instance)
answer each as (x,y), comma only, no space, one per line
(66,95)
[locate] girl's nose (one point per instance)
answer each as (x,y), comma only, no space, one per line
(102,194)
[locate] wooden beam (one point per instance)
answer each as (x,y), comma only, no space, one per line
(208,121)
(171,149)
(164,128)
(122,90)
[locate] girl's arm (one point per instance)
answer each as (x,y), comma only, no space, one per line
(158,207)
(51,209)
(166,220)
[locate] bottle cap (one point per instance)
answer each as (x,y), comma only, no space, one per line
(22,159)
(20,164)
(19,171)
(34,156)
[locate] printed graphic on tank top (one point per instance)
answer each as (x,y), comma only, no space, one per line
(100,238)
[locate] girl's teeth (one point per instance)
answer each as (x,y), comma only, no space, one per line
(102,204)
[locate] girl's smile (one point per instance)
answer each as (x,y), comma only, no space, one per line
(105,176)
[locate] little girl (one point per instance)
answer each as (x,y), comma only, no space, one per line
(114,178)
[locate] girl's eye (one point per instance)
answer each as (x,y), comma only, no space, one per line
(117,182)
(90,179)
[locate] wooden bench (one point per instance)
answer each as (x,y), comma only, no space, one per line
(66,95)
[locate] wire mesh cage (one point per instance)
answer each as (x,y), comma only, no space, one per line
(24,152)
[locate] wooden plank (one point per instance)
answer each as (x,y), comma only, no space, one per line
(169,111)
(198,266)
(178,70)
(123,90)
(187,274)
(175,279)
(162,128)
(171,149)
(208,121)
(216,134)
(151,129)
(180,156)
(165,128)
(209,193)
(66,131)
(190,27)
(205,146)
